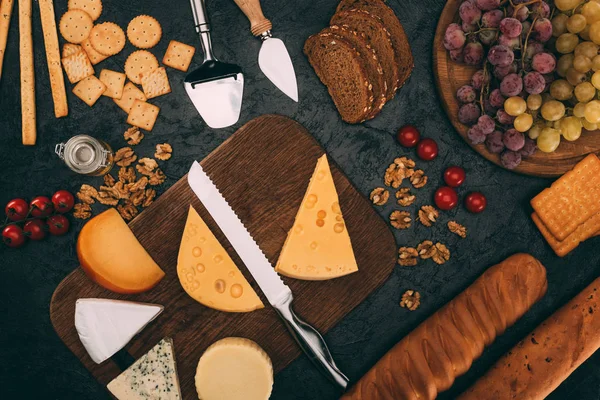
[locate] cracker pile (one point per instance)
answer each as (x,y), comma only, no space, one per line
(568,212)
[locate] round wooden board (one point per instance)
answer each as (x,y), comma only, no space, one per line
(450,76)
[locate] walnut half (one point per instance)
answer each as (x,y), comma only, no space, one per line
(408,256)
(125,156)
(379,196)
(457,228)
(163,151)
(82,211)
(418,179)
(411,299)
(428,215)
(404,197)
(400,219)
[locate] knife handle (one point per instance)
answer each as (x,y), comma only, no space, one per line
(311,342)
(258,23)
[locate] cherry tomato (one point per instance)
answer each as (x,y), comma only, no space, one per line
(475,202)
(454,176)
(63,201)
(408,136)
(41,207)
(445,198)
(58,225)
(35,229)
(17,209)
(427,149)
(13,236)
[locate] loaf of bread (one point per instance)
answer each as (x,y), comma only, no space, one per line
(548,355)
(444,346)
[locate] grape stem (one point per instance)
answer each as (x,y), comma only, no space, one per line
(484,88)
(519,6)
(524,46)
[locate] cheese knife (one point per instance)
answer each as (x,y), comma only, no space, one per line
(277,293)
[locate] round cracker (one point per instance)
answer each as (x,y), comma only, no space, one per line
(75,26)
(144,31)
(107,38)
(139,62)
(92,7)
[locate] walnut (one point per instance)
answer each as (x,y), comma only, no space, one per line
(125,157)
(87,194)
(128,211)
(118,191)
(137,197)
(157,178)
(396,172)
(109,180)
(457,228)
(442,254)
(107,198)
(404,197)
(418,179)
(426,249)
(379,196)
(411,300)
(82,211)
(133,135)
(127,175)
(428,215)
(146,166)
(400,219)
(139,185)
(408,256)
(163,151)
(404,162)
(149,198)
(438,252)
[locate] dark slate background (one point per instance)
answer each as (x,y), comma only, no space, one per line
(35,363)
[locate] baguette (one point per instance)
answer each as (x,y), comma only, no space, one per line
(27,75)
(444,346)
(6,7)
(548,355)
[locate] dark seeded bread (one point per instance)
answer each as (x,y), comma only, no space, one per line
(378,8)
(340,68)
(371,62)
(379,38)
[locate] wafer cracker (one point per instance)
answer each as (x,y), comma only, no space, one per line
(69,49)
(138,63)
(144,32)
(156,83)
(75,26)
(77,67)
(28,110)
(179,55)
(571,200)
(107,38)
(92,7)
(131,93)
(114,81)
(92,54)
(583,232)
(143,115)
(89,90)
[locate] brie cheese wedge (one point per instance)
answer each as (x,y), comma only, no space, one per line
(106,326)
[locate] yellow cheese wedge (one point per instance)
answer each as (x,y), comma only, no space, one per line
(208,274)
(234,369)
(318,246)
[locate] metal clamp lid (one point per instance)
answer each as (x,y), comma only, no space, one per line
(59,149)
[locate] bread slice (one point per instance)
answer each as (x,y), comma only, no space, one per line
(363,22)
(402,50)
(341,69)
(371,63)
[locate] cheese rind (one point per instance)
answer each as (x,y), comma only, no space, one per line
(208,274)
(318,246)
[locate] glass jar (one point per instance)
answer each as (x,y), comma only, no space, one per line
(86,155)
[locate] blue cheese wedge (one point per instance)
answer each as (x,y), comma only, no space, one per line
(153,376)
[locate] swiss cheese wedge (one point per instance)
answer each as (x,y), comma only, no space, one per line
(111,256)
(208,274)
(318,246)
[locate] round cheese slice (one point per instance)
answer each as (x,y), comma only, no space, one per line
(234,369)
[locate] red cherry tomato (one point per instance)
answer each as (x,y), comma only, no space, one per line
(408,136)
(63,201)
(454,176)
(58,225)
(17,209)
(445,198)
(13,236)
(427,149)
(475,202)
(35,229)
(41,207)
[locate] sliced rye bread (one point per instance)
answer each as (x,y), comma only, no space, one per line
(371,62)
(340,67)
(404,56)
(378,37)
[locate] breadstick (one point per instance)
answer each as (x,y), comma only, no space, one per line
(6,7)
(57,80)
(27,75)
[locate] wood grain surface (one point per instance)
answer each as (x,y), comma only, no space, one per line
(263,171)
(450,76)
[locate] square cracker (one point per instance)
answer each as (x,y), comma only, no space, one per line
(143,115)
(93,55)
(69,49)
(155,83)
(77,66)
(588,229)
(114,81)
(89,90)
(571,200)
(130,94)
(179,55)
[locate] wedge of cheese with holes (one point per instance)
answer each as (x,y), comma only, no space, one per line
(208,274)
(318,246)
(111,256)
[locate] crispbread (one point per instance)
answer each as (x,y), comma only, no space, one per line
(143,115)
(155,83)
(107,38)
(75,26)
(130,94)
(77,67)
(114,81)
(144,32)
(92,54)
(139,62)
(571,200)
(89,90)
(588,229)
(179,55)
(69,49)
(92,7)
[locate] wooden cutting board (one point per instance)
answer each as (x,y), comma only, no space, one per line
(450,76)
(263,171)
